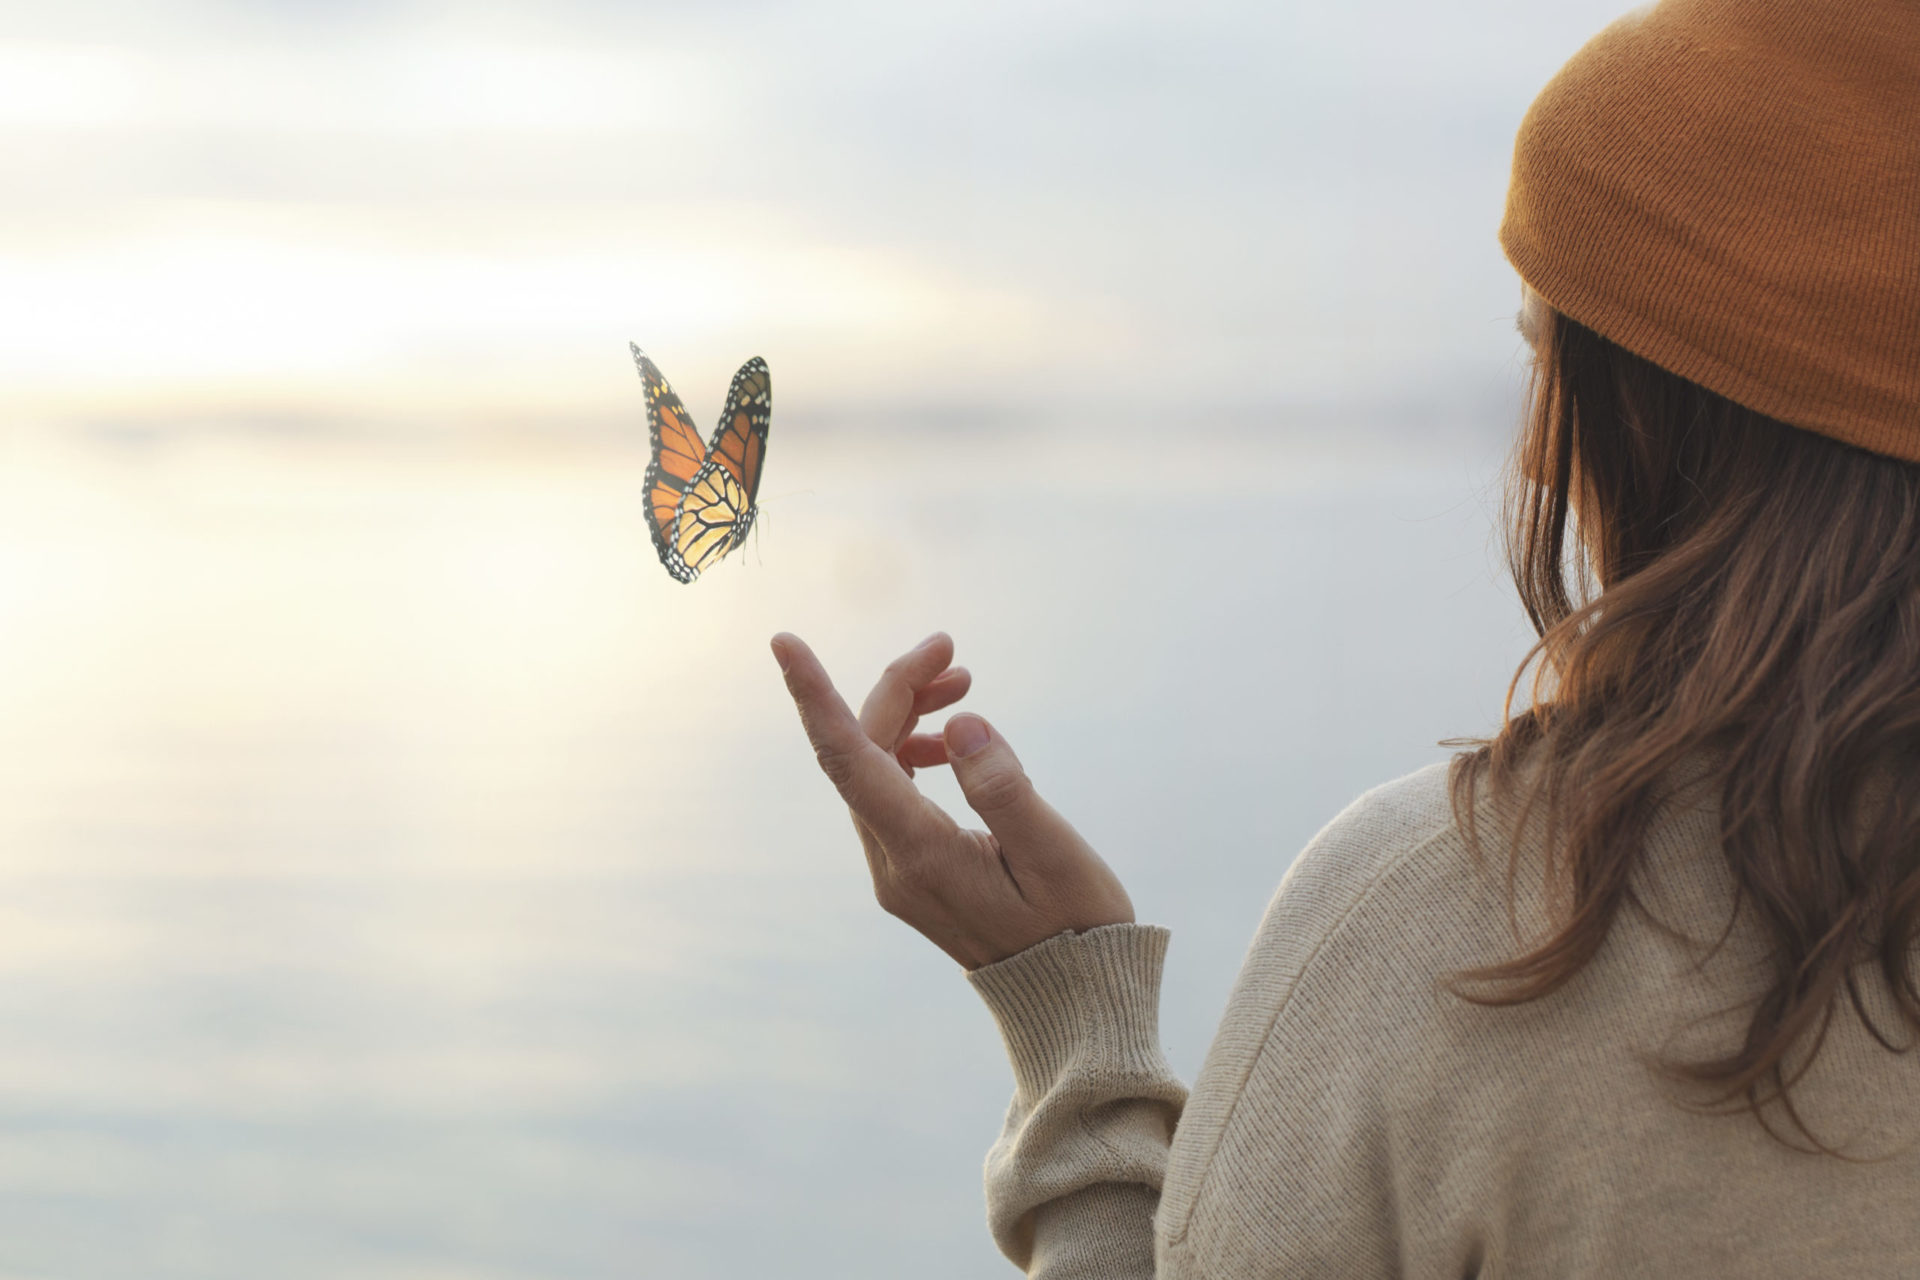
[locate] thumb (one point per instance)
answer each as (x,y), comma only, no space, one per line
(997,788)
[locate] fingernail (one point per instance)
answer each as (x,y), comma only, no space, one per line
(966,735)
(927,643)
(779,654)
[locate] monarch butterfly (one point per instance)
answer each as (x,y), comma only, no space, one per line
(700,497)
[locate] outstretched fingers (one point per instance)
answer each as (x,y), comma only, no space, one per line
(890,710)
(922,751)
(943,691)
(867,776)
(980,896)
(946,689)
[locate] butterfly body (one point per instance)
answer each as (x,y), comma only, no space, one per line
(700,495)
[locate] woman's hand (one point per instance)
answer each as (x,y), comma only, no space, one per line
(980,896)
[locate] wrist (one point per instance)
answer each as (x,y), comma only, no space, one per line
(1087,1000)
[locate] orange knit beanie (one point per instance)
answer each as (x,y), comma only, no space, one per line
(1731,189)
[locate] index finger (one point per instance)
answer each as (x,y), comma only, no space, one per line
(867,776)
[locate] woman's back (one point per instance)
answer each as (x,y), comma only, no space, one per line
(1352,1119)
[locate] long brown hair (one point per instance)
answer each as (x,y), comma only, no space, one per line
(1715,588)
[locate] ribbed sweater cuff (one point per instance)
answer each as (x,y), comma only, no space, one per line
(1082,1002)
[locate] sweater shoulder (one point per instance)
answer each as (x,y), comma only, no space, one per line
(1298,1034)
(1370,849)
(1382,889)
(1384,898)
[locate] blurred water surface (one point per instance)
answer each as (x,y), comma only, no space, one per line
(401,877)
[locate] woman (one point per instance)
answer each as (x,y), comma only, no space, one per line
(1631,988)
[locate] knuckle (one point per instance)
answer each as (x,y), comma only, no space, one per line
(837,764)
(904,890)
(911,889)
(910,880)
(1000,789)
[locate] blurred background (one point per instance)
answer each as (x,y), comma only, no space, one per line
(401,877)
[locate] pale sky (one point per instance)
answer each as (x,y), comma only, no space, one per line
(943,212)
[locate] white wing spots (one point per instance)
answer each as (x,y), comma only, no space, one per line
(713,511)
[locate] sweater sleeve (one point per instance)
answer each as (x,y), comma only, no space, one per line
(1074,1180)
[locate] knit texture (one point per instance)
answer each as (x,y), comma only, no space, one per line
(1351,1120)
(1731,189)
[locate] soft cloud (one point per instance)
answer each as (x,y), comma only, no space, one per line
(948,209)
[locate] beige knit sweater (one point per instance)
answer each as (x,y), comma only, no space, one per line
(1350,1120)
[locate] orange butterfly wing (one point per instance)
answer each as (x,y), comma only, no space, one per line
(718,508)
(740,442)
(701,498)
(678,455)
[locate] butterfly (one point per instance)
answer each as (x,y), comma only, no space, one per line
(700,497)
